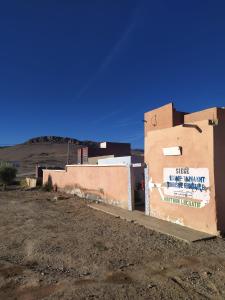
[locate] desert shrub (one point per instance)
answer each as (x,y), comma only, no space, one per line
(7,175)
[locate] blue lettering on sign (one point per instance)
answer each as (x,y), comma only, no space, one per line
(196,183)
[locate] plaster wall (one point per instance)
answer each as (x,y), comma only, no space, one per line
(123,160)
(94,160)
(110,148)
(163,117)
(159,118)
(197,152)
(207,114)
(106,183)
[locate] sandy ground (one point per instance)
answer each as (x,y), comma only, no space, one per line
(62,249)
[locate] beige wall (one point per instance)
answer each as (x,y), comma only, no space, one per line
(162,117)
(159,118)
(31,182)
(207,114)
(197,152)
(107,183)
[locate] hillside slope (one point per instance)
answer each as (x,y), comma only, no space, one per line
(47,151)
(28,155)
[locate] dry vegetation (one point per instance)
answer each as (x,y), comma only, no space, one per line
(56,247)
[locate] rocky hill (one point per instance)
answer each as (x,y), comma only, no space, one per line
(45,150)
(51,140)
(58,140)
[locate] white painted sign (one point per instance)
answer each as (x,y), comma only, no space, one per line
(171,151)
(189,183)
(103,145)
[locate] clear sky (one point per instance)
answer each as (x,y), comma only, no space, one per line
(89,69)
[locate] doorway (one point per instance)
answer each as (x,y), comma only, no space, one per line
(139,187)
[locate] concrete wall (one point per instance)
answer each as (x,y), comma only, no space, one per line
(124,160)
(197,156)
(94,160)
(213,114)
(110,148)
(163,117)
(31,182)
(107,183)
(201,139)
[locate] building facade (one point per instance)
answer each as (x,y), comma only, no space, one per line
(185,155)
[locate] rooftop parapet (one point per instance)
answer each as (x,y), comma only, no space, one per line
(213,114)
(163,117)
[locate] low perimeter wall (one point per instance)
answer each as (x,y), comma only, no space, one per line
(109,184)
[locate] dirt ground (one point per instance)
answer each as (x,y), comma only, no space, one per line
(59,248)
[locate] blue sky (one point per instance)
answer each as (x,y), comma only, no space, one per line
(89,69)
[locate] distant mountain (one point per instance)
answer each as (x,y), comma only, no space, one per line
(46,150)
(47,139)
(139,152)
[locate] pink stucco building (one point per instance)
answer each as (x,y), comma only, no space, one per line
(185,155)
(184,171)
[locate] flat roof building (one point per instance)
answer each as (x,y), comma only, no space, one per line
(185,155)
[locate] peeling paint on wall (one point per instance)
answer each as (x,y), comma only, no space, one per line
(186,185)
(178,221)
(93,195)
